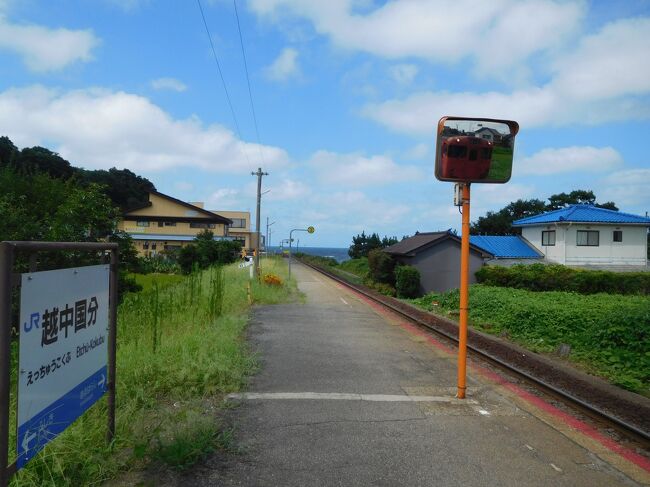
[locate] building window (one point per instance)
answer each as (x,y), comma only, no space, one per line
(202,225)
(548,238)
(145,245)
(587,238)
(170,224)
(238,223)
(618,235)
(161,224)
(142,223)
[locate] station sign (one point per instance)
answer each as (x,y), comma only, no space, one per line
(63,352)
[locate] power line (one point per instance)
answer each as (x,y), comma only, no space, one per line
(248,81)
(223,81)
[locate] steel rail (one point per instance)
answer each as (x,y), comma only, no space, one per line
(594,410)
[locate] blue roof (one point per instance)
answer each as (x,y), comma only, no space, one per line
(505,247)
(583,213)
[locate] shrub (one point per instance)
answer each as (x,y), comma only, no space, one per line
(407,281)
(556,277)
(380,287)
(381,267)
(272,280)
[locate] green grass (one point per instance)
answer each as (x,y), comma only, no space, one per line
(179,353)
(608,334)
(501,166)
(358,267)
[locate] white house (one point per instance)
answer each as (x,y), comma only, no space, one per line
(585,235)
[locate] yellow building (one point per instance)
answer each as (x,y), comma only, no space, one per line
(166,223)
(240,228)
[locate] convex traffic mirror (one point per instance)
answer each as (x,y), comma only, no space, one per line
(475,150)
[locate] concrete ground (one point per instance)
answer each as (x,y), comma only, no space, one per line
(347,396)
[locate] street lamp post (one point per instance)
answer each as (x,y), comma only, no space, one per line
(308,230)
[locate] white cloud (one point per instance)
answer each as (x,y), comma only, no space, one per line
(438,30)
(599,82)
(288,189)
(45,49)
(224,199)
(608,64)
(356,170)
(98,128)
(354,209)
(628,187)
(285,65)
(570,159)
(418,151)
(404,74)
(168,84)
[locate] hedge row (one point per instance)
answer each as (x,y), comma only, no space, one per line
(556,277)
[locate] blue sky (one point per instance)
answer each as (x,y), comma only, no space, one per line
(347,95)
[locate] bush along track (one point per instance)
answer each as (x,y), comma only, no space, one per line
(605,334)
(180,350)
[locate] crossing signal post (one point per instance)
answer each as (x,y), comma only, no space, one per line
(471,150)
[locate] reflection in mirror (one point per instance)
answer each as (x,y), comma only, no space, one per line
(475,151)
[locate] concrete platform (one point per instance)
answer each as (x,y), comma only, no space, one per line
(349,396)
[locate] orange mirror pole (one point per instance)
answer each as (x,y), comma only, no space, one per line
(464,296)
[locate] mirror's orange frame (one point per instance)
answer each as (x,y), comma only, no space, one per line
(512,125)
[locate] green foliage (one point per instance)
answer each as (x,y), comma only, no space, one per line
(41,208)
(358,267)
(556,277)
(407,281)
(363,244)
(158,264)
(124,188)
(500,222)
(380,287)
(316,260)
(381,267)
(205,251)
(608,334)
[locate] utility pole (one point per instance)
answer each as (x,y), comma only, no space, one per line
(267,244)
(259,175)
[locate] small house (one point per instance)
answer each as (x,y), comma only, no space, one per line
(588,236)
(437,256)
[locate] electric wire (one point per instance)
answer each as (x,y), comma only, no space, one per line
(248,82)
(223,82)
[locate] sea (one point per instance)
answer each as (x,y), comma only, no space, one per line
(340,254)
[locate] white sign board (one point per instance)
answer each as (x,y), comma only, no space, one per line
(63,351)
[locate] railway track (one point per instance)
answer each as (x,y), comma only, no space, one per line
(610,407)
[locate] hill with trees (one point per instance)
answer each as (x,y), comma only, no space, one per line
(124,188)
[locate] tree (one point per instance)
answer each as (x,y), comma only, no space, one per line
(7,151)
(363,244)
(125,188)
(122,186)
(500,222)
(36,160)
(205,251)
(381,267)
